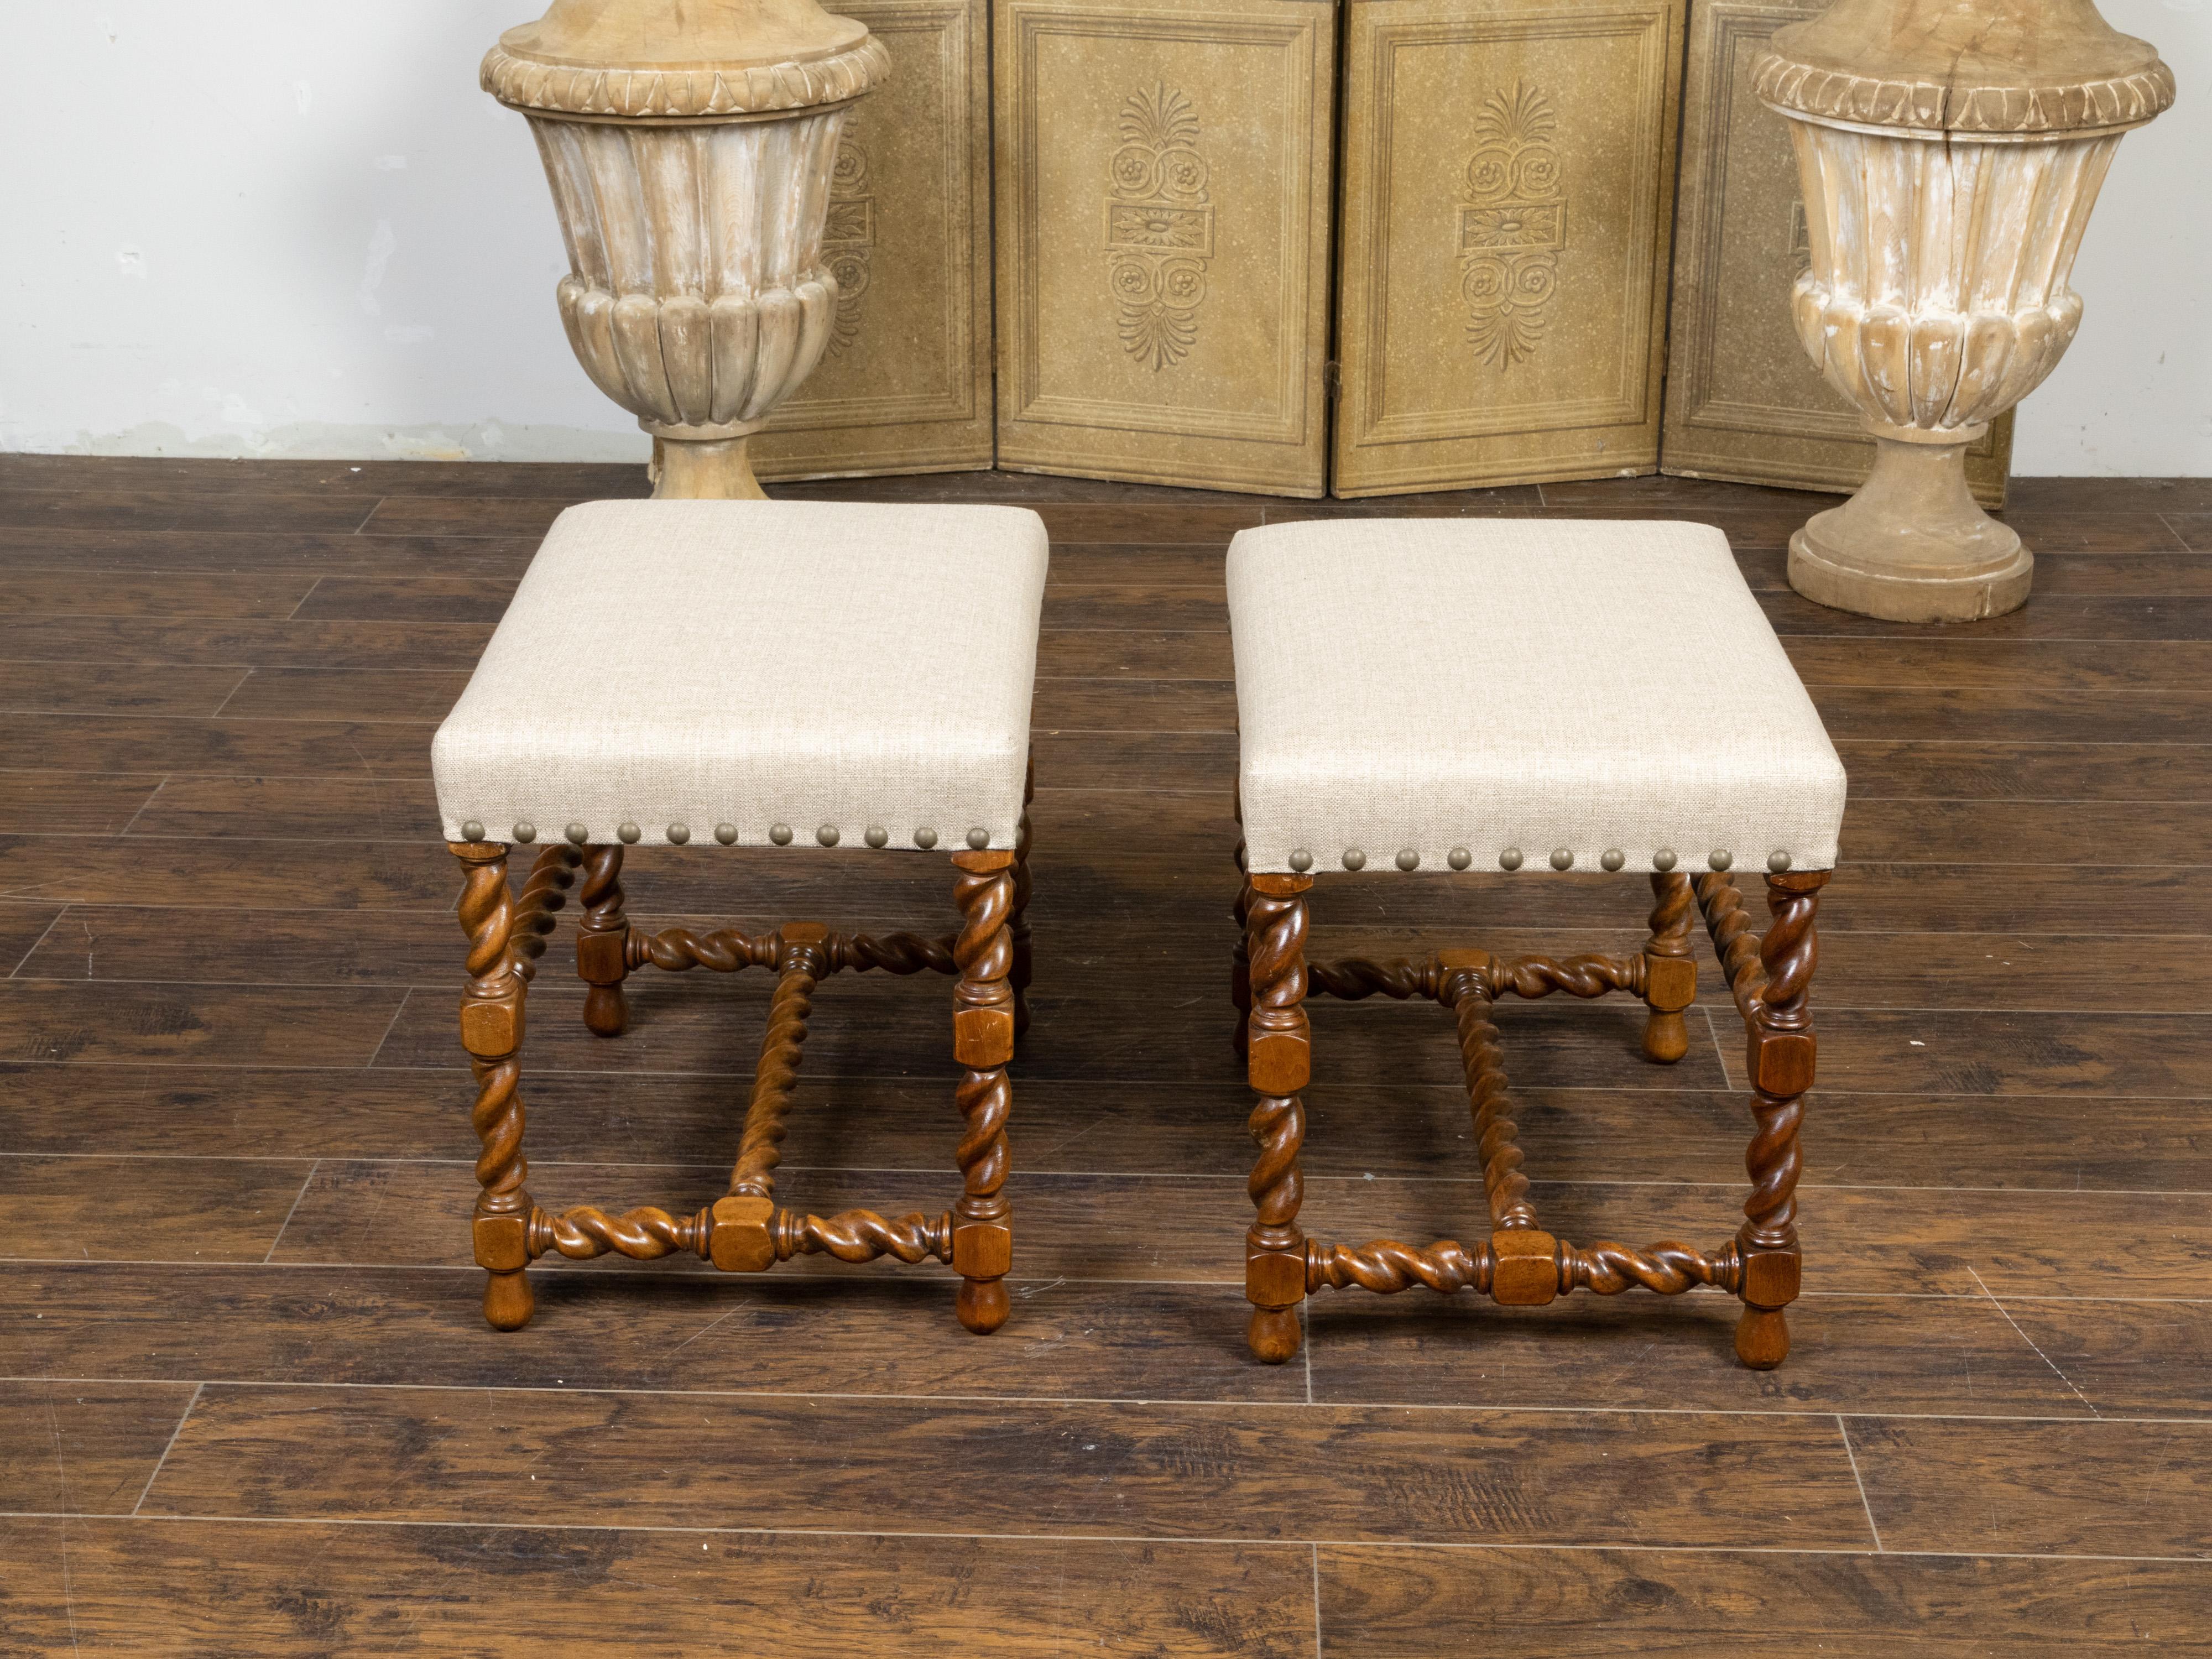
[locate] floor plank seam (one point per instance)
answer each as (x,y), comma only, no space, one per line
(1859,1480)
(2030,1342)
(243,680)
(162,1461)
(42,938)
(297,1198)
(1221,1541)
(1222,1403)
(132,821)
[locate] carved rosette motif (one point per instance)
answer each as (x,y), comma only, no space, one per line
(849,240)
(1159,226)
(1512,225)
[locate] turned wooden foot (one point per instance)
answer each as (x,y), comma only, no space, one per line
(507,1303)
(1666,1038)
(983,1306)
(1762,1338)
(1273,1333)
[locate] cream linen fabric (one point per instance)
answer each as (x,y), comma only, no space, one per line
(757,663)
(1491,684)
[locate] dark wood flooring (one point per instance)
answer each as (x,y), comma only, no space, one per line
(249,1406)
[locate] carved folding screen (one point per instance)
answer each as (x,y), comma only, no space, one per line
(1743,400)
(1163,185)
(1509,175)
(905,385)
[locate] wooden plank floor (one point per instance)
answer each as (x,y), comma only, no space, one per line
(247,1406)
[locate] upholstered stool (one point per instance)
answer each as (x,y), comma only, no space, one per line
(784,676)
(1444,696)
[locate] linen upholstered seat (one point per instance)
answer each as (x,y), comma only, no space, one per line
(1482,693)
(757,673)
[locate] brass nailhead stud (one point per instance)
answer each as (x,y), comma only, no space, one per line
(878,835)
(1408,859)
(1354,859)
(827,835)
(578,834)
(1777,862)
(1460,858)
(630,833)
(726,834)
(1302,860)
(780,834)
(526,833)
(979,838)
(925,839)
(1509,859)
(1613,858)
(472,830)
(1563,857)
(679,833)
(1664,859)
(1720,858)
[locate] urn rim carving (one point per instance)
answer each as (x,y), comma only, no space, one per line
(2000,70)
(683,59)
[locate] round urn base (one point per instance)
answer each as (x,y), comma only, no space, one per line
(1911,545)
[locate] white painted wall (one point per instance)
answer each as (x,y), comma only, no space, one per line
(296,228)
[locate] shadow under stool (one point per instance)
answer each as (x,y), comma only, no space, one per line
(1452,696)
(782,676)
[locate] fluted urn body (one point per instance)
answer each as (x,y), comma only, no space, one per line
(689,145)
(1950,152)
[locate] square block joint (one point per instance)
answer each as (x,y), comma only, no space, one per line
(1527,1273)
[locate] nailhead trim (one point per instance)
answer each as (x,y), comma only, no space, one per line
(1563,857)
(679,833)
(979,838)
(1460,858)
(780,834)
(1509,859)
(726,834)
(1354,859)
(1720,858)
(1664,859)
(925,839)
(878,835)
(526,833)
(827,835)
(1302,860)
(1409,859)
(1613,858)
(630,834)
(578,834)
(472,830)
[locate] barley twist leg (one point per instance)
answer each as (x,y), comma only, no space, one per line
(1277,1064)
(1670,983)
(1240,959)
(492,1032)
(983,1043)
(604,932)
(1781,1063)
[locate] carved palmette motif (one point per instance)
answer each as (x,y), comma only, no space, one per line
(848,241)
(1159,226)
(1512,225)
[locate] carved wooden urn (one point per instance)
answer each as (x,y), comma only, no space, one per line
(1950,151)
(689,145)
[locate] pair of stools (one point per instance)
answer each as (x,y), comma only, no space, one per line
(1434,695)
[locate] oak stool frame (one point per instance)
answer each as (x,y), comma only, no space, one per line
(746,1230)
(1520,1264)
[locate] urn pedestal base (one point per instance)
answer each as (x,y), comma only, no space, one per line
(717,468)
(1913,546)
